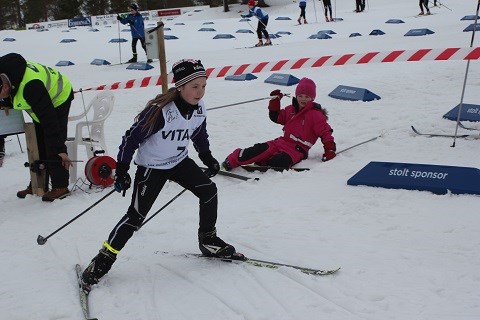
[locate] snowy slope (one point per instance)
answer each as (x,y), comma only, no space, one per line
(404,254)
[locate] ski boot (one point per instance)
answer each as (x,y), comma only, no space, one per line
(212,246)
(134,58)
(99,266)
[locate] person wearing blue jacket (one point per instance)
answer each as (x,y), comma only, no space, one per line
(135,20)
(262,17)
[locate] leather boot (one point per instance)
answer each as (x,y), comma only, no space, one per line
(23,193)
(55,193)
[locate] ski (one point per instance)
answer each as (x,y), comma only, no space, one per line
(83,294)
(423,15)
(253,168)
(431,135)
(124,63)
(232,175)
(251,47)
(236,176)
(241,259)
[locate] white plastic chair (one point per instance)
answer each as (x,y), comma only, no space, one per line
(90,132)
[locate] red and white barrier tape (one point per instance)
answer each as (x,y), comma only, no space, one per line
(325,61)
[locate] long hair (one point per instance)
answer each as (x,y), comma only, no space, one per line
(157,105)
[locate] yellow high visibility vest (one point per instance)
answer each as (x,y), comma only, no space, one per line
(58,86)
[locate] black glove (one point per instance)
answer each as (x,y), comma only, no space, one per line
(118,17)
(211,163)
(122,178)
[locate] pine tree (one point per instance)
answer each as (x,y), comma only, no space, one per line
(67,9)
(96,8)
(119,6)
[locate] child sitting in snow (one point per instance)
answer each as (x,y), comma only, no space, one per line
(304,121)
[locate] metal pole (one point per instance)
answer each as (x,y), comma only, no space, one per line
(42,240)
(119,46)
(465,79)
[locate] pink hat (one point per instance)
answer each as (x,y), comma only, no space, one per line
(306,86)
(251,3)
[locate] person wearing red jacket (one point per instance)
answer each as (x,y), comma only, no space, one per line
(304,122)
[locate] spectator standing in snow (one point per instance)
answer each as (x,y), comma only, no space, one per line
(262,17)
(137,27)
(161,135)
(46,95)
(327,5)
(304,121)
(303,5)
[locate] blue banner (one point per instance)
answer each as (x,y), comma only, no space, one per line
(435,178)
(80,22)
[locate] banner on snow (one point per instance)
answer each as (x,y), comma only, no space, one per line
(425,177)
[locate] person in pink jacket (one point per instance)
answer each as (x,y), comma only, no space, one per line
(304,122)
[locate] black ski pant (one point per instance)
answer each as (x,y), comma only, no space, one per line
(147,185)
(262,29)
(422,4)
(134,45)
(328,8)
(302,13)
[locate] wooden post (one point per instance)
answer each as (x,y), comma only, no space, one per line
(162,57)
(37,178)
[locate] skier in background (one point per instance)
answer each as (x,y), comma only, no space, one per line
(303,5)
(359,5)
(327,5)
(137,27)
(422,4)
(262,23)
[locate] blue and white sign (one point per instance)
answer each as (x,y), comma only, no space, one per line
(435,178)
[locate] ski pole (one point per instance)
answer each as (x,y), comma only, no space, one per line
(248,101)
(465,78)
(42,240)
(444,5)
(166,205)
(315,10)
(119,46)
(358,144)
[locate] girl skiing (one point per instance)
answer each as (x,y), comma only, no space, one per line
(161,133)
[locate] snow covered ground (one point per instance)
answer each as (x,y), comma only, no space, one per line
(404,254)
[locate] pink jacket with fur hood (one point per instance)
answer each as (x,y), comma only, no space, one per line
(303,128)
